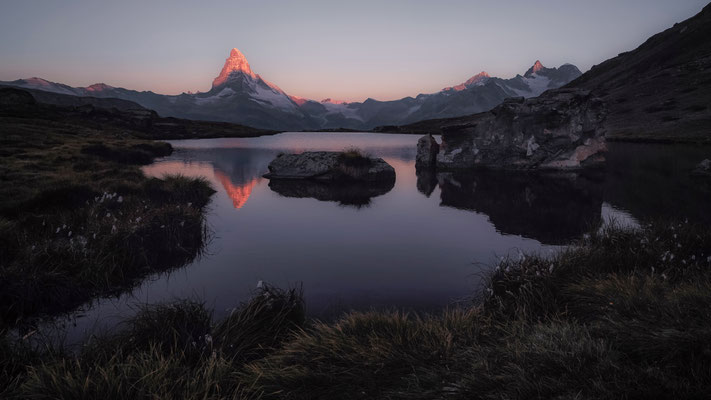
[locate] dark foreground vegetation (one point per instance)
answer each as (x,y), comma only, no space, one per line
(78,218)
(622,314)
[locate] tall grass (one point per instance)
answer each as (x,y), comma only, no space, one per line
(614,316)
(78,218)
(100,247)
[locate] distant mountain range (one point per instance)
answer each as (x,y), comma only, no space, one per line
(238,95)
(660,91)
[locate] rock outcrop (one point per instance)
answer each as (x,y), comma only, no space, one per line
(703,168)
(330,166)
(427,149)
(561,129)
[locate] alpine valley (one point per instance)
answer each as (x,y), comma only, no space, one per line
(239,95)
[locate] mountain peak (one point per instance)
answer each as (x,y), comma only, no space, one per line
(236,62)
(98,87)
(478,79)
(537,67)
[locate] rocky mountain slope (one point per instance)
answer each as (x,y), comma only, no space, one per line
(241,96)
(661,91)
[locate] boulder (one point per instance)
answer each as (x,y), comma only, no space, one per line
(703,168)
(330,166)
(427,149)
(561,129)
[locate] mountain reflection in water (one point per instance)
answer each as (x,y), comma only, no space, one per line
(405,250)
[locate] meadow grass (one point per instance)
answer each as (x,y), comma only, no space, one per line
(623,313)
(78,218)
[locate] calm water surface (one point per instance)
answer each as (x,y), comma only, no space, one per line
(422,244)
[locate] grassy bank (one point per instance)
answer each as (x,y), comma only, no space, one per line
(78,218)
(623,314)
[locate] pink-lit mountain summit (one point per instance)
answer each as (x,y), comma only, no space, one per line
(235,62)
(242,96)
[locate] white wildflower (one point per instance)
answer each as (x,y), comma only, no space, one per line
(190,204)
(58,229)
(69,234)
(138,219)
(120,199)
(108,215)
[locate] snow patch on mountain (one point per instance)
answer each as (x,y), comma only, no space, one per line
(343,109)
(226,92)
(274,98)
(537,84)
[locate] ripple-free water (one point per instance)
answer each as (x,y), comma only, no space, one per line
(423,245)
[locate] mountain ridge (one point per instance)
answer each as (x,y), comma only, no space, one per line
(239,95)
(657,92)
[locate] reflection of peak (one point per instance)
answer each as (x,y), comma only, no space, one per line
(238,193)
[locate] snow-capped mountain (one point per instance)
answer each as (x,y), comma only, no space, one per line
(241,96)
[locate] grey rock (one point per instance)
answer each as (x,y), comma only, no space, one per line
(329,166)
(703,168)
(561,129)
(427,149)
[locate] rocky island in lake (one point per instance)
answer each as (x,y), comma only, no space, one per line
(347,177)
(334,166)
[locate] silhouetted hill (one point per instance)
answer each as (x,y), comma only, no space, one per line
(662,89)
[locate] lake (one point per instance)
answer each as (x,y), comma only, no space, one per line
(423,244)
